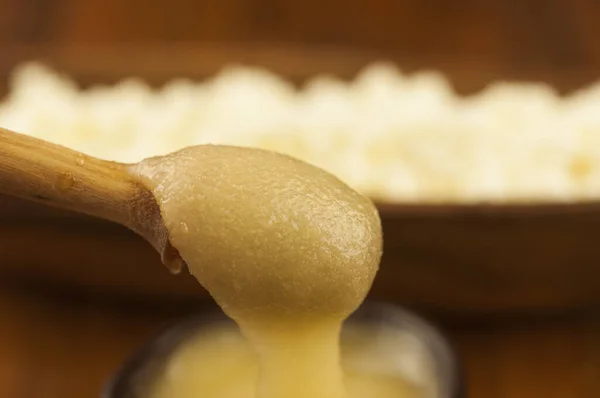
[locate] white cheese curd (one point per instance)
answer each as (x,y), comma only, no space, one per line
(393,136)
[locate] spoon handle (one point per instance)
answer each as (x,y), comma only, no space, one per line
(39,171)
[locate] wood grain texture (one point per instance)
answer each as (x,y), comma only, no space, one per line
(53,175)
(460,261)
(529,39)
(555,358)
(63,348)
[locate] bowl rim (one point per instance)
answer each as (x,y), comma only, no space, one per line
(448,364)
(488,209)
(12,208)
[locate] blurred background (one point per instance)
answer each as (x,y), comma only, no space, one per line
(64,334)
(472,41)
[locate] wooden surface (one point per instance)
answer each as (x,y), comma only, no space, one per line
(67,346)
(471,40)
(456,260)
(559,33)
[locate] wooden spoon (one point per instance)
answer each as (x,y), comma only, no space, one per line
(39,171)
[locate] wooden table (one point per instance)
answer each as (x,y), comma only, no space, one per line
(66,346)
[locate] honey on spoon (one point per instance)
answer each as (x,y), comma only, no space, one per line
(287,250)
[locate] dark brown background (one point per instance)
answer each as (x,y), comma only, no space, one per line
(472,40)
(54,344)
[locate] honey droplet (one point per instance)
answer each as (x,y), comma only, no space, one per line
(172,260)
(80,159)
(65,182)
(175,265)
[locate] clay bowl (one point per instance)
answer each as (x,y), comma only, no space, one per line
(427,347)
(455,259)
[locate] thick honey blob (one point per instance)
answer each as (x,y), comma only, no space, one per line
(286,249)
